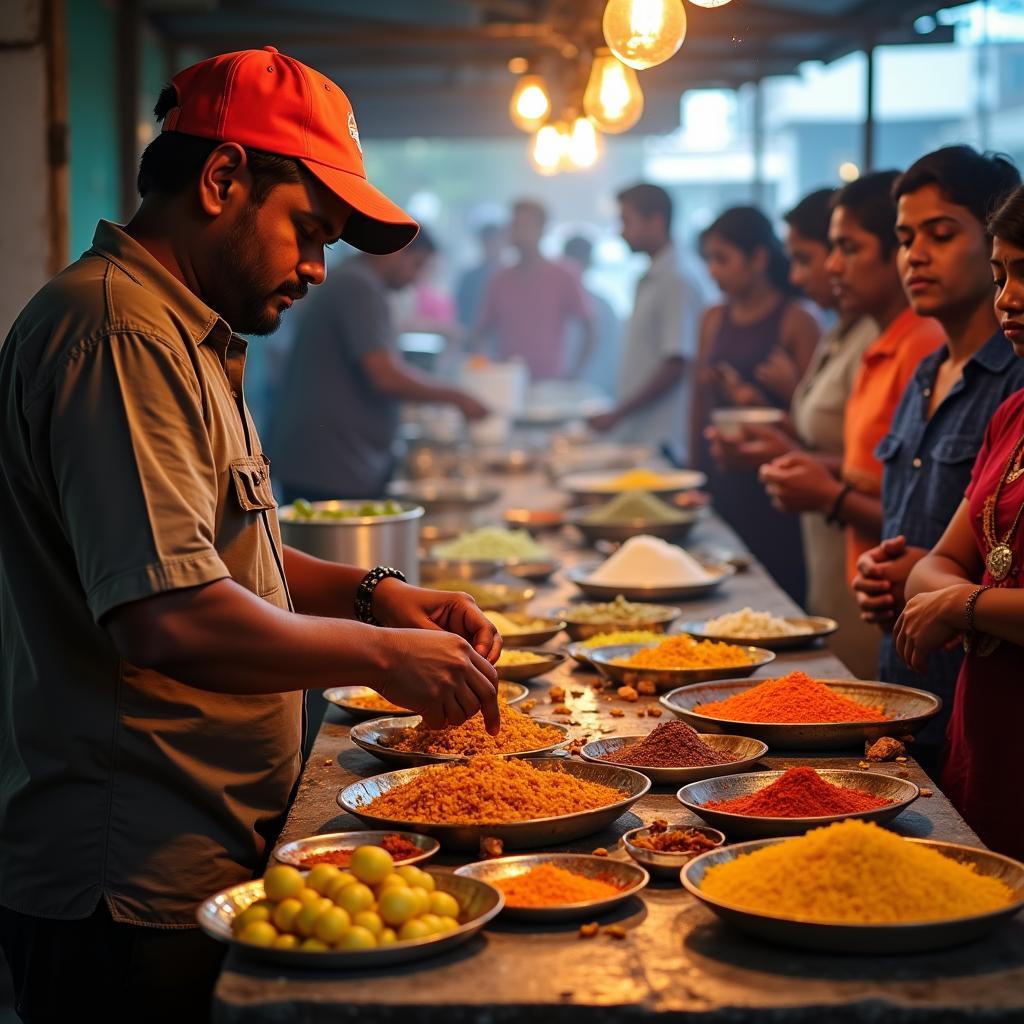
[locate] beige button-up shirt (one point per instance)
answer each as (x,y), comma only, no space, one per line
(129,466)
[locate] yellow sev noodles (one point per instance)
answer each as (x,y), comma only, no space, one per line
(854,872)
(684,652)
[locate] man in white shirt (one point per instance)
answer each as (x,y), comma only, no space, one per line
(662,334)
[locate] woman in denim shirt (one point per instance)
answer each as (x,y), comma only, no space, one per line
(943,202)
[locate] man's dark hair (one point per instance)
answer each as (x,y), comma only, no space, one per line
(172,160)
(423,242)
(533,208)
(579,249)
(978,181)
(811,215)
(1007,222)
(869,199)
(648,201)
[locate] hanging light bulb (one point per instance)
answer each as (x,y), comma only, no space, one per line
(548,149)
(613,99)
(709,3)
(642,33)
(530,104)
(582,147)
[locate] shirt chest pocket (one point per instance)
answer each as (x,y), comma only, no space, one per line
(952,461)
(255,563)
(888,448)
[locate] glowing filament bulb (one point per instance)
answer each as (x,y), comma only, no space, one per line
(643,33)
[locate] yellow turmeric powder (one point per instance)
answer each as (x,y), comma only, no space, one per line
(854,872)
(548,885)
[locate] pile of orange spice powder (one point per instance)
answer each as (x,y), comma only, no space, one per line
(793,698)
(548,885)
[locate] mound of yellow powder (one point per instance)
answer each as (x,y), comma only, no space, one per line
(854,872)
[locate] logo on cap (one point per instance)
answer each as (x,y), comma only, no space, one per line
(353,130)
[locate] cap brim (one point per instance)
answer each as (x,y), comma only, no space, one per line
(377,225)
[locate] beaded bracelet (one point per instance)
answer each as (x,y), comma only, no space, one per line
(366,588)
(832,519)
(970,634)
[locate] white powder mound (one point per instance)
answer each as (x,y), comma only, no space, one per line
(649,562)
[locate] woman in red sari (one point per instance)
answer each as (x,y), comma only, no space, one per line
(969,589)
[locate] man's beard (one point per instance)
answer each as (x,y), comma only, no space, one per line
(247,297)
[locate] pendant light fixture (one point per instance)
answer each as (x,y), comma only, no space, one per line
(644,33)
(613,99)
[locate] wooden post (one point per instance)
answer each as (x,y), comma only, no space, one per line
(57,130)
(128,33)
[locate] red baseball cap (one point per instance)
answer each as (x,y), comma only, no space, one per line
(264,100)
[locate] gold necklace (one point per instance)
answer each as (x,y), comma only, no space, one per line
(999,554)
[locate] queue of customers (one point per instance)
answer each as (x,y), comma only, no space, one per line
(871,327)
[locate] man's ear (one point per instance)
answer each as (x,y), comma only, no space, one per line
(225,179)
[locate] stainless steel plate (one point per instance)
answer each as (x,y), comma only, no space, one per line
(520,673)
(666,865)
(293,852)
(479,902)
(693,797)
(535,637)
(580,577)
(628,878)
(653,617)
(444,495)
(538,569)
(536,519)
(815,626)
(604,658)
(375,738)
(910,709)
(620,532)
(341,696)
(491,595)
(516,835)
(869,939)
(588,488)
(747,753)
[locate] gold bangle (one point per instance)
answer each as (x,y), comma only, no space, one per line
(970,633)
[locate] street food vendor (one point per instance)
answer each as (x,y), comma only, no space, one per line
(156,637)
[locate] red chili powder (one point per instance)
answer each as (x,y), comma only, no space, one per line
(800,793)
(399,848)
(792,698)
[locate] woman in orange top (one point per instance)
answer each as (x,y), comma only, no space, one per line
(863,266)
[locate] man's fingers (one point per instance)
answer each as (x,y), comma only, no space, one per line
(873,588)
(484,667)
(487,697)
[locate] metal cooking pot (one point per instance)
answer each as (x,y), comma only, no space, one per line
(363,541)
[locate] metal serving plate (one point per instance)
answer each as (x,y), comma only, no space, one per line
(817,626)
(293,852)
(341,696)
(480,903)
(604,658)
(520,673)
(589,488)
(491,595)
(445,495)
(375,737)
(628,878)
(537,569)
(693,797)
(746,751)
(868,939)
(656,618)
(536,637)
(516,835)
(666,865)
(911,708)
(536,519)
(580,576)
(623,531)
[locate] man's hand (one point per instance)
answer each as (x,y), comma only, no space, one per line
(779,374)
(471,408)
(606,421)
(799,482)
(754,445)
(929,622)
(881,578)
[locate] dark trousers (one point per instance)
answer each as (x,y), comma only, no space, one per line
(98,969)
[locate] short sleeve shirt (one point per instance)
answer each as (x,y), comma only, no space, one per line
(887,366)
(333,430)
(528,310)
(129,466)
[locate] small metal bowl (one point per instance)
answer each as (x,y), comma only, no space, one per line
(433,569)
(694,797)
(656,618)
(341,696)
(376,736)
(520,673)
(536,637)
(815,626)
(745,750)
(666,865)
(620,532)
(536,519)
(444,495)
(490,595)
(604,660)
(593,488)
(581,577)
(628,878)
(293,852)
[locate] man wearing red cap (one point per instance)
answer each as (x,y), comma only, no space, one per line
(151,659)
